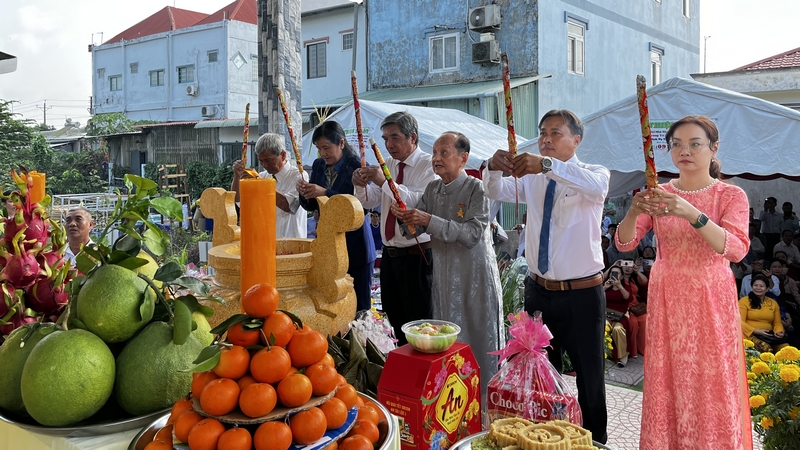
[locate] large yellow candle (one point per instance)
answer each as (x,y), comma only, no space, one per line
(39,181)
(258,232)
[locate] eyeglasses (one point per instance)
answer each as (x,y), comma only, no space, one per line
(693,147)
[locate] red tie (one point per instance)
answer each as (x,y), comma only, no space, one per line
(390,218)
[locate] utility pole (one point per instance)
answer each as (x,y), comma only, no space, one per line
(705,52)
(44,109)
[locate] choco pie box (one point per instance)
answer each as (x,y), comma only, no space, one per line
(436,396)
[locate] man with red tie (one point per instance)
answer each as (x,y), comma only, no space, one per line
(405,274)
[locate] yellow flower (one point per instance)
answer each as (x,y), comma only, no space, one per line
(760,367)
(788,354)
(756,401)
(793,413)
(767,356)
(753,360)
(751,382)
(474,407)
(790,374)
(748,343)
(765,395)
(751,375)
(608,329)
(458,360)
(475,381)
(767,423)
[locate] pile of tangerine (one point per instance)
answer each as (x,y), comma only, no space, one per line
(295,367)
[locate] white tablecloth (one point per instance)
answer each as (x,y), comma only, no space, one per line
(15,438)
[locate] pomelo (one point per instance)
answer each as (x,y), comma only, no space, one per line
(108,303)
(12,360)
(202,331)
(148,269)
(68,377)
(148,377)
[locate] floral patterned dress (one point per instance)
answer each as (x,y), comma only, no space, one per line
(695,390)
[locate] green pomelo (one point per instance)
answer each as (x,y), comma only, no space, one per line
(202,331)
(12,361)
(148,377)
(109,303)
(149,269)
(68,377)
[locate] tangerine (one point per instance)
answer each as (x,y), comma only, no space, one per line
(323,378)
(233,362)
(359,402)
(369,413)
(206,434)
(184,423)
(328,360)
(294,390)
(342,381)
(270,365)
(260,301)
(357,442)
(279,325)
(307,347)
(165,433)
(335,413)
(159,444)
(365,428)
(376,408)
(258,400)
(308,426)
(200,380)
(235,439)
(183,404)
(348,395)
(239,335)
(220,397)
(334,445)
(245,381)
(273,436)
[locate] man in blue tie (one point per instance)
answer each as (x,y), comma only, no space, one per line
(562,247)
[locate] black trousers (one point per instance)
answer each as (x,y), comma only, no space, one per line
(772,239)
(577,320)
(362,284)
(405,290)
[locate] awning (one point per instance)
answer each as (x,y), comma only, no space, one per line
(8,63)
(226,123)
(433,93)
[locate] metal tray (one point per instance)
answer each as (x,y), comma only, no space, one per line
(466,443)
(97,429)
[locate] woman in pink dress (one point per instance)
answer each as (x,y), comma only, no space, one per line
(695,390)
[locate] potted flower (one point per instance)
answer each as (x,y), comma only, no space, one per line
(775,395)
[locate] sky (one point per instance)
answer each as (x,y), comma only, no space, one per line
(50,39)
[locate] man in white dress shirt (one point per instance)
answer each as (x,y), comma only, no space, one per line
(562,248)
(79,225)
(271,153)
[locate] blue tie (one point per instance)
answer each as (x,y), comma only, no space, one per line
(544,235)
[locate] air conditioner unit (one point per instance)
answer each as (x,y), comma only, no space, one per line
(208,111)
(486,51)
(484,17)
(191,89)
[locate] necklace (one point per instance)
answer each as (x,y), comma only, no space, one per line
(677,187)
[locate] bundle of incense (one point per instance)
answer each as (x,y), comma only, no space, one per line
(392,184)
(647,138)
(357,107)
(512,135)
(250,173)
(291,132)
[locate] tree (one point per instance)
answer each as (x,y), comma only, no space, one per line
(20,144)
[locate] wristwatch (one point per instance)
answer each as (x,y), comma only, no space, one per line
(547,164)
(701,221)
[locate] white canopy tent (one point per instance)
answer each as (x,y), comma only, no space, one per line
(485,138)
(758,139)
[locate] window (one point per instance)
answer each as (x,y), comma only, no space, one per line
(656,55)
(347,41)
(316,60)
(186,74)
(443,52)
(686,8)
(157,77)
(101,73)
(212,55)
(135,67)
(115,83)
(575,47)
(254,68)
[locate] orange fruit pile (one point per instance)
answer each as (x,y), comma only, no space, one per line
(295,368)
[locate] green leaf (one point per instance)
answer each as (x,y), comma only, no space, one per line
(74,323)
(168,206)
(147,306)
(143,185)
(231,321)
(127,243)
(168,272)
(206,360)
(205,310)
(84,263)
(116,256)
(297,321)
(93,251)
(130,231)
(74,285)
(193,284)
(182,323)
(155,241)
(214,299)
(253,324)
(190,301)
(133,263)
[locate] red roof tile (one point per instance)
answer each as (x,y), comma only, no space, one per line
(167,19)
(241,10)
(785,59)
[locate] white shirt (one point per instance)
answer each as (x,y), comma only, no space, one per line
(574,249)
(416,176)
(770,222)
(69,256)
(289,224)
(747,287)
(791,250)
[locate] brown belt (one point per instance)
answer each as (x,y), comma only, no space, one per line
(396,252)
(568,285)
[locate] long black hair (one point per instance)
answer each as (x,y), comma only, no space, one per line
(333,132)
(755,302)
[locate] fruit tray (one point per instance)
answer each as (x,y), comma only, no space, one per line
(97,429)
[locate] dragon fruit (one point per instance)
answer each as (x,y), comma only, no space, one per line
(21,267)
